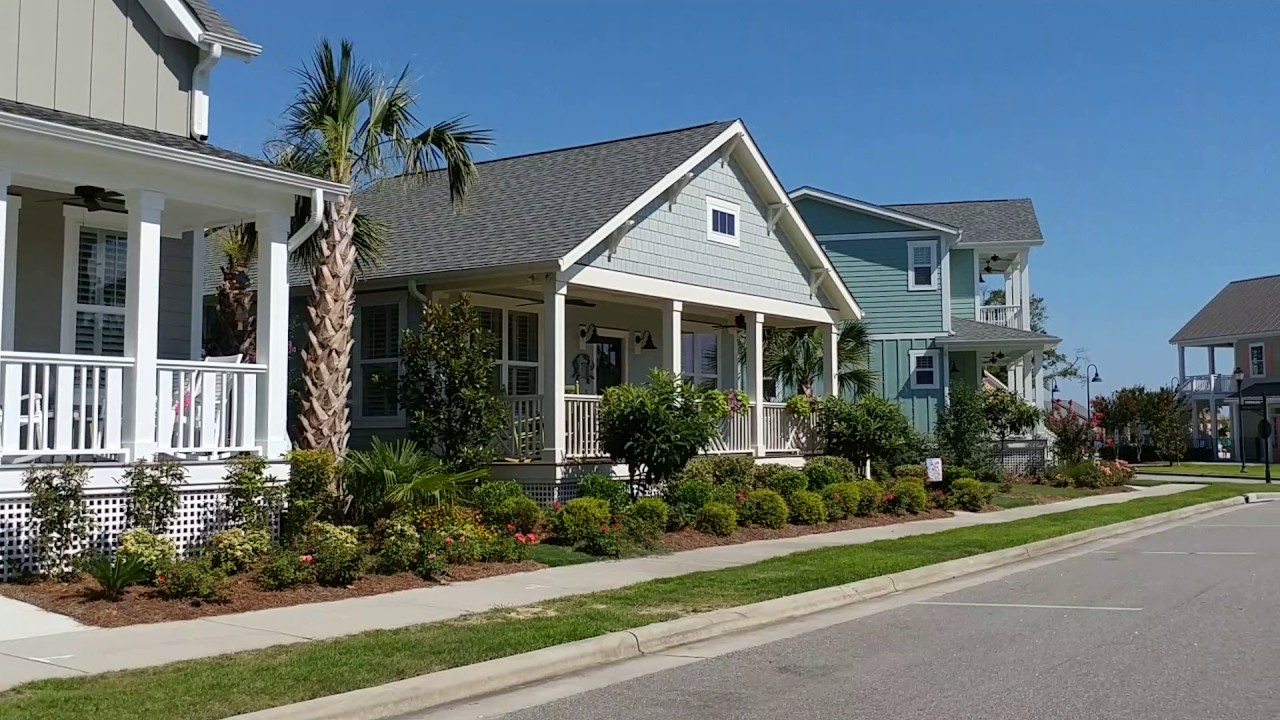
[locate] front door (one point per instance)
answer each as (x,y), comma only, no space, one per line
(609,358)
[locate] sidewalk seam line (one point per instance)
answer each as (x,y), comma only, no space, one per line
(46,662)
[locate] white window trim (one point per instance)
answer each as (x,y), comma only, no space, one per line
(701,329)
(937,369)
(1263,347)
(934,265)
(504,306)
(358,419)
(75,218)
(625,336)
(714,203)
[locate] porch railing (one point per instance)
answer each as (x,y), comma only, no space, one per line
(582,425)
(62,405)
(206,408)
(523,439)
(735,435)
(1002,315)
(1209,384)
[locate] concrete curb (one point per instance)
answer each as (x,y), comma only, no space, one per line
(448,686)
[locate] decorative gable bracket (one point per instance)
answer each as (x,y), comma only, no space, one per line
(775,212)
(615,237)
(816,276)
(726,150)
(676,188)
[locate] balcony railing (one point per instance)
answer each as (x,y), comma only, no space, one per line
(1002,315)
(1208,384)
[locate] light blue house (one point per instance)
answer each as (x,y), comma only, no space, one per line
(918,272)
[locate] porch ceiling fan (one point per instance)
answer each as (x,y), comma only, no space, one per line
(576,302)
(94,198)
(995,358)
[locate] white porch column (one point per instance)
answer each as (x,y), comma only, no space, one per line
(1024,293)
(1013,288)
(829,335)
(554,292)
(1182,364)
(10,206)
(142,320)
(272,341)
(755,379)
(671,344)
(1213,400)
(1038,380)
(198,250)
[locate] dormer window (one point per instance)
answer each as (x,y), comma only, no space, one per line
(722,221)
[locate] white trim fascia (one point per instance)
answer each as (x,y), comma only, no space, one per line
(176,20)
(738,134)
(1011,246)
(870,209)
(937,371)
(389,297)
(1224,340)
(616,281)
(1026,346)
(934,266)
(944,269)
(333,191)
(906,336)
(1249,359)
(900,235)
(724,206)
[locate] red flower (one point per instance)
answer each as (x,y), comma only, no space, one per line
(604,529)
(306,559)
(160,579)
(511,528)
(533,538)
(557,506)
(888,498)
(448,541)
(742,496)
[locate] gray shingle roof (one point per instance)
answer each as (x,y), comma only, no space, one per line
(1243,307)
(525,209)
(982,221)
(965,331)
(1265,389)
(212,20)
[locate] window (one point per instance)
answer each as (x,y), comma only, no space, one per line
(922,265)
(722,221)
(516,369)
(101,266)
(378,364)
(700,358)
(924,370)
(1257,360)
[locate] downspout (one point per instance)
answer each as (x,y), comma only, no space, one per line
(199,104)
(313,222)
(417,293)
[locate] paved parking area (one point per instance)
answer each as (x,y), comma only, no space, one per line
(1183,623)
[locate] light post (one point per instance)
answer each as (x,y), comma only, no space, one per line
(1053,393)
(1237,428)
(1088,397)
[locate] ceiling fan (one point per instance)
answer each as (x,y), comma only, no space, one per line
(739,322)
(94,198)
(576,302)
(995,358)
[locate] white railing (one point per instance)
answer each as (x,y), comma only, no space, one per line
(582,426)
(1209,384)
(778,435)
(735,435)
(206,408)
(523,438)
(62,405)
(1002,315)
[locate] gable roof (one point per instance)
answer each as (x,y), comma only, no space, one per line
(197,22)
(964,330)
(1243,307)
(213,22)
(862,206)
(983,222)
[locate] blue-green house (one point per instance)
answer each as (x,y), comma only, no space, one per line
(918,272)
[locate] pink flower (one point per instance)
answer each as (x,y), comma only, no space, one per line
(557,506)
(511,528)
(533,538)
(306,559)
(448,541)
(462,539)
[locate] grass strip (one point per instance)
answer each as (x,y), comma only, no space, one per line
(1222,470)
(232,684)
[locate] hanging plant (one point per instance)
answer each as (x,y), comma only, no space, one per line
(800,406)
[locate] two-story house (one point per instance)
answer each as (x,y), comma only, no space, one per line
(1245,317)
(109,186)
(918,272)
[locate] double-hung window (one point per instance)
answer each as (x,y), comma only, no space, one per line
(1257,360)
(101,267)
(700,358)
(515,370)
(379,324)
(925,370)
(922,265)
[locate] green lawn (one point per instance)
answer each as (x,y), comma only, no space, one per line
(1223,470)
(241,683)
(557,555)
(1022,495)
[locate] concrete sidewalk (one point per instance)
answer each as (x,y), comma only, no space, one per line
(102,650)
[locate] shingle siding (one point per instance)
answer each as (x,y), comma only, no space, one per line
(875,271)
(672,244)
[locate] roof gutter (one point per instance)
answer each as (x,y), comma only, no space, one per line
(210,54)
(313,223)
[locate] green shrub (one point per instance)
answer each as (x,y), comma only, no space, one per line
(686,498)
(841,500)
(611,490)
(517,514)
(872,428)
(115,575)
(336,553)
(734,473)
(253,497)
(951,474)
(392,476)
(431,563)
(717,518)
(314,475)
(488,497)
(645,521)
(911,472)
(906,497)
(608,540)
(195,580)
(763,475)
(870,497)
(846,468)
(807,508)
(236,549)
(397,546)
(581,519)
(785,482)
(152,489)
(820,476)
(152,551)
(969,494)
(62,519)
(765,508)
(286,569)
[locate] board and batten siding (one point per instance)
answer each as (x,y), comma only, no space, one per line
(875,271)
(964,299)
(670,243)
(105,59)
(891,361)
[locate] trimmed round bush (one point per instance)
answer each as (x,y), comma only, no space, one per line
(870,497)
(519,513)
(847,469)
(761,475)
(951,474)
(807,508)
(970,494)
(786,482)
(153,552)
(716,518)
(911,472)
(285,569)
(397,546)
(653,512)
(236,549)
(841,500)
(603,487)
(686,498)
(581,519)
(906,497)
(488,497)
(820,476)
(336,554)
(733,473)
(765,508)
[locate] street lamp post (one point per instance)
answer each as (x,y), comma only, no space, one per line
(1237,428)
(1088,397)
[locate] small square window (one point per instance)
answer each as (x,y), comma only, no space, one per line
(722,221)
(924,369)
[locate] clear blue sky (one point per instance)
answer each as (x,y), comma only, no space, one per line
(1145,130)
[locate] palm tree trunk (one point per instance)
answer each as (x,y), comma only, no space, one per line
(325,418)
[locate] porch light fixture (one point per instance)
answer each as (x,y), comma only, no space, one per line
(644,341)
(740,322)
(954,369)
(590,335)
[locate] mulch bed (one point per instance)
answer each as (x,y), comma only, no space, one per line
(143,605)
(690,539)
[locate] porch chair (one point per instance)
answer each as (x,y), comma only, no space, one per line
(174,424)
(30,414)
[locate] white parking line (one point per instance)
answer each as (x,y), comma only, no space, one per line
(1219,525)
(1032,607)
(1169,552)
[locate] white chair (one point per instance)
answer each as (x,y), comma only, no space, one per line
(33,429)
(185,420)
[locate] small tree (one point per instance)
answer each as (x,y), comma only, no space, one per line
(1007,414)
(446,386)
(871,429)
(962,432)
(63,520)
(152,489)
(1073,433)
(656,429)
(1168,421)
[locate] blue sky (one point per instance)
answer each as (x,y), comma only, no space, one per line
(1144,130)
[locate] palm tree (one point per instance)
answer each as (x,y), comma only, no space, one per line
(351,125)
(793,358)
(235,322)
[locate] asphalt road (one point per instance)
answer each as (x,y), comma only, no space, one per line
(1180,624)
